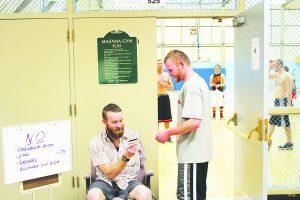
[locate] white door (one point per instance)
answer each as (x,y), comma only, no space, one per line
(34,86)
(251,78)
(137,100)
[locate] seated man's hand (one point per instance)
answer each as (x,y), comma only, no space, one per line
(162,136)
(130,150)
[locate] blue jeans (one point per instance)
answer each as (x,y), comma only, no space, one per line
(114,191)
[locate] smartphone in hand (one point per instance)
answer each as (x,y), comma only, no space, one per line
(132,141)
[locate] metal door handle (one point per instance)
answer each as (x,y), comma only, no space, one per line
(257,130)
(233,119)
(266,133)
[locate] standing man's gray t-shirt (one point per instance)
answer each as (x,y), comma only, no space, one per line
(194,102)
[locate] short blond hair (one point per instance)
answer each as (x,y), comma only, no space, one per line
(176,56)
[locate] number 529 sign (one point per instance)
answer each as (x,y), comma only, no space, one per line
(142,3)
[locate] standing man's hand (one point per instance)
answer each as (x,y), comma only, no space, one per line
(162,136)
(130,150)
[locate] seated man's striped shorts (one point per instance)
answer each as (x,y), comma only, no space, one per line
(191,182)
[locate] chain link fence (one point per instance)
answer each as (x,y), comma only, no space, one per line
(284,155)
(33,6)
(250,3)
(121,5)
(40,6)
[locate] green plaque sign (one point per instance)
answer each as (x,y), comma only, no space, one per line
(117,58)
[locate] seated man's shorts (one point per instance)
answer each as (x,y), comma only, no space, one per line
(114,191)
(280,120)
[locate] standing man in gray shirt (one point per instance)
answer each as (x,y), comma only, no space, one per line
(193,130)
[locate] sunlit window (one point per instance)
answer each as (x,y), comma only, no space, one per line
(203,39)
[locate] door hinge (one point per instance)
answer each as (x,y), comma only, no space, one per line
(73,36)
(75,109)
(78,182)
(70,109)
(68,35)
(73,181)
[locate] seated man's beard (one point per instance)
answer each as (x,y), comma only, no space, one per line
(115,135)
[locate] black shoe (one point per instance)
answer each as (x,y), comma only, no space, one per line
(286,146)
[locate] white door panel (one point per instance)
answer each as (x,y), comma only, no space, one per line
(250,104)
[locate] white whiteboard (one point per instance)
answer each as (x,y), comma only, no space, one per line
(36,150)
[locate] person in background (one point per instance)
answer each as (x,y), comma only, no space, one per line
(116,154)
(193,131)
(293,85)
(283,90)
(163,85)
(217,83)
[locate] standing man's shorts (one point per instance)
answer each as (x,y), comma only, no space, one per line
(114,191)
(217,98)
(280,120)
(164,108)
(191,182)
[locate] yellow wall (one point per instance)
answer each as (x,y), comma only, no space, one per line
(42,74)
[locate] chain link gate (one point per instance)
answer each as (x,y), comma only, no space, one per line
(284,123)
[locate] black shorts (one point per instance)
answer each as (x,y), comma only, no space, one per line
(280,120)
(191,182)
(164,108)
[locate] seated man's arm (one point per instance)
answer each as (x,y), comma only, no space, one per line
(111,171)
